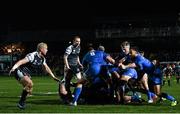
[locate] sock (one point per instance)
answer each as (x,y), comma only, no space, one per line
(168,82)
(149,95)
(77,92)
(23,96)
(169,97)
(152,95)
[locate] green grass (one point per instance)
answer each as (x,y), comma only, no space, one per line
(48,103)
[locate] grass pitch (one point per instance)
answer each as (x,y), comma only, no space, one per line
(45,99)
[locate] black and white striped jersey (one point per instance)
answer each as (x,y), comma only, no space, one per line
(73,53)
(35,63)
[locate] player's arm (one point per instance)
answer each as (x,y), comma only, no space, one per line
(110,59)
(79,62)
(19,63)
(130,65)
(48,70)
(122,60)
(66,61)
(66,54)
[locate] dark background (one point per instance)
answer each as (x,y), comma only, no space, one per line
(68,18)
(78,14)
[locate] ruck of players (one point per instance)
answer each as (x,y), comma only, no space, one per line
(99,78)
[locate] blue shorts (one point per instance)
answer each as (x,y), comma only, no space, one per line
(156,80)
(114,69)
(130,72)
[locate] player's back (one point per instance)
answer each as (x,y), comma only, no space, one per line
(95,57)
(144,64)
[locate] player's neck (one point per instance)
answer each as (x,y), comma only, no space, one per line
(41,55)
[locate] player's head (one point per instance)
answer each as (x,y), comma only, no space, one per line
(90,47)
(133,51)
(101,48)
(42,47)
(76,41)
(142,53)
(125,46)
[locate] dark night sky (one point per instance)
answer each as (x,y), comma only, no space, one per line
(79,14)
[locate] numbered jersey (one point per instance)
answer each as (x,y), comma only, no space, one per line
(35,63)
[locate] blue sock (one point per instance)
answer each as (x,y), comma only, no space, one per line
(171,98)
(152,94)
(77,92)
(149,95)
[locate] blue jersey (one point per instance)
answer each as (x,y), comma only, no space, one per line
(144,64)
(94,60)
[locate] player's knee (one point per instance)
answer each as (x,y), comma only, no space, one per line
(29,86)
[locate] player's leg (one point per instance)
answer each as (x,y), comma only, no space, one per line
(122,83)
(170,98)
(64,86)
(77,90)
(27,84)
(150,95)
(164,79)
(169,78)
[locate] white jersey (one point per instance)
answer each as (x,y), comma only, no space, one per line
(35,63)
(73,54)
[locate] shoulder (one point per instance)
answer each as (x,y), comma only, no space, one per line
(69,47)
(32,53)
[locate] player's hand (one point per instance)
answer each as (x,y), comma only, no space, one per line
(56,79)
(81,67)
(67,68)
(122,66)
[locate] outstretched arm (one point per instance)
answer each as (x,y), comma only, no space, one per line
(48,70)
(19,63)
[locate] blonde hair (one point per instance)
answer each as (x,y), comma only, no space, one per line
(41,45)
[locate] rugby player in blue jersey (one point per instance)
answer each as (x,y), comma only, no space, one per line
(156,82)
(94,60)
(144,68)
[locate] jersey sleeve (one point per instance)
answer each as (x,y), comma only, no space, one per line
(30,57)
(68,50)
(44,62)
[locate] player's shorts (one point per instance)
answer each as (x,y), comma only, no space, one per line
(19,74)
(114,69)
(130,72)
(156,80)
(75,69)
